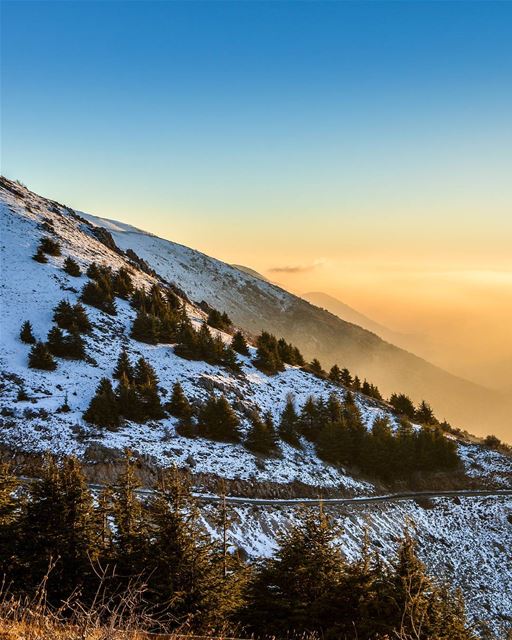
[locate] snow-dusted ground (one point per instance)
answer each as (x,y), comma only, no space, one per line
(470,540)
(466,541)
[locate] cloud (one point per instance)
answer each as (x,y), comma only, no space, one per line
(296,268)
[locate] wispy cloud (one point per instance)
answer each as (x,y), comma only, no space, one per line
(299,268)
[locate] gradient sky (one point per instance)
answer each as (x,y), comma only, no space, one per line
(362,149)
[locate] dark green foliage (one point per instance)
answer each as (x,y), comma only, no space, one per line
(335,375)
(128,400)
(403,405)
(315,368)
(309,589)
(40,256)
(218,421)
(26,334)
(186,567)
(267,358)
(239,344)
(179,406)
(71,317)
(346,378)
(289,424)
(201,345)
(146,328)
(424,414)
(219,320)
(146,383)
(66,346)
(122,284)
(98,294)
(103,409)
(356,384)
(41,358)
(123,366)
(371,390)
(49,246)
(72,267)
(59,526)
(262,437)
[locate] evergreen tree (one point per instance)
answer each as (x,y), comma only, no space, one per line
(103,409)
(26,334)
(315,368)
(310,419)
(179,406)
(63,314)
(122,284)
(72,267)
(346,378)
(219,320)
(146,328)
(130,533)
(10,515)
(289,424)
(239,344)
(403,405)
(59,527)
(98,293)
(50,246)
(262,435)
(267,355)
(185,566)
(55,341)
(40,256)
(293,590)
(74,346)
(146,383)
(335,375)
(218,420)
(41,358)
(356,384)
(123,366)
(424,414)
(127,399)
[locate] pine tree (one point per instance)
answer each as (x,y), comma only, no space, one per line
(179,406)
(72,267)
(262,435)
(41,358)
(97,293)
(103,409)
(59,526)
(63,315)
(122,284)
(335,375)
(55,342)
(267,357)
(424,414)
(26,334)
(356,384)
(146,328)
(10,515)
(346,378)
(185,566)
(130,526)
(123,366)
(239,344)
(127,399)
(146,383)
(40,256)
(315,368)
(49,246)
(218,420)
(289,424)
(403,405)
(74,345)
(293,590)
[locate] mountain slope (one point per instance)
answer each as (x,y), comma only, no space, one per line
(30,291)
(255,305)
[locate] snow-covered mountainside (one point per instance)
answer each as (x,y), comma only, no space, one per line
(255,305)
(30,291)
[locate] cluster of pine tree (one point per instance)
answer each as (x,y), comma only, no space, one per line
(344,377)
(47,246)
(337,430)
(72,268)
(272,354)
(404,406)
(307,588)
(159,316)
(201,345)
(135,397)
(219,320)
(63,344)
(105,285)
